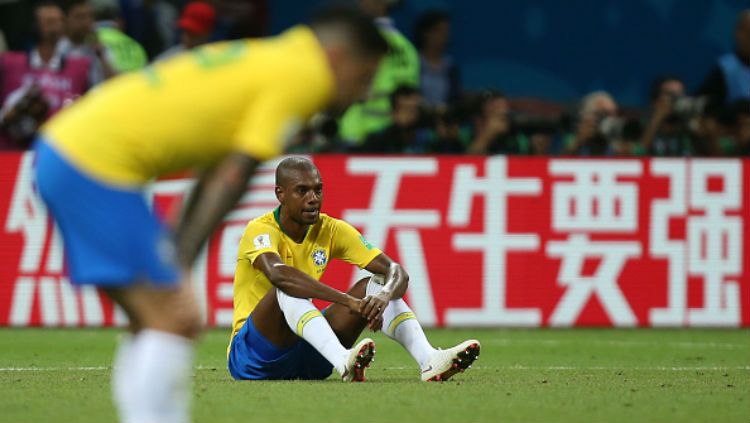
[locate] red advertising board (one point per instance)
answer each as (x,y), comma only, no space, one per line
(487,241)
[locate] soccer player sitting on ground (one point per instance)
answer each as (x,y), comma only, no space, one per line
(277,331)
(221,108)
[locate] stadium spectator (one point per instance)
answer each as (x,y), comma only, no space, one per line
(439,78)
(15,16)
(81,39)
(399,67)
(741,111)
(122,52)
(729,80)
(493,131)
(151,23)
(596,127)
(405,134)
(36,85)
(195,25)
(667,133)
(450,134)
(713,132)
(3,43)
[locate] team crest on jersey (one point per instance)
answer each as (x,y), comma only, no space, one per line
(319,257)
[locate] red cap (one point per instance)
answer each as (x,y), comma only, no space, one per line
(197,17)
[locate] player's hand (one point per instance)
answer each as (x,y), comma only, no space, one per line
(375,325)
(373,306)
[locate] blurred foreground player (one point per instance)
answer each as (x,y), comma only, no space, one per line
(278,333)
(222,108)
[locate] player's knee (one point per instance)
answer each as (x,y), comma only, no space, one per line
(359,289)
(186,322)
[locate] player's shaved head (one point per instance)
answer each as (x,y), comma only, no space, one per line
(345,25)
(299,189)
(288,167)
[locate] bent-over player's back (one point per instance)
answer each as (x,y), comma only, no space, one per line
(190,111)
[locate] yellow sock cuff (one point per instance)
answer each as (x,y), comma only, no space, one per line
(400,319)
(306,318)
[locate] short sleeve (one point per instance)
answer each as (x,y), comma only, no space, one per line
(349,245)
(258,238)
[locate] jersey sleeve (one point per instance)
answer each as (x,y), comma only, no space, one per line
(349,245)
(258,238)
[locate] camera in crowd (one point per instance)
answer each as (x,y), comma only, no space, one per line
(24,112)
(617,128)
(686,107)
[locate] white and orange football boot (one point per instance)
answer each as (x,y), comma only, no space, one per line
(446,363)
(359,360)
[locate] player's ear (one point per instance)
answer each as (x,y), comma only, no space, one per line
(279,193)
(335,53)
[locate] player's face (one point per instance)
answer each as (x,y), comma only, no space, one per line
(302,197)
(353,78)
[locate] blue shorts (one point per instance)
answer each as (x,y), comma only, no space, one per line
(253,357)
(111,236)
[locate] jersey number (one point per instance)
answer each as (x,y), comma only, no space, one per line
(211,56)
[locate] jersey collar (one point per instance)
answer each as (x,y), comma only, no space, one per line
(277,217)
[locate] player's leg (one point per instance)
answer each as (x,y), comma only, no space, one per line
(281,320)
(153,367)
(400,324)
(347,325)
(112,239)
(397,317)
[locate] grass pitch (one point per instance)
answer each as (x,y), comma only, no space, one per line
(521,376)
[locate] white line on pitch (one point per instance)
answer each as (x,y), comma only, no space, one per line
(558,342)
(513,367)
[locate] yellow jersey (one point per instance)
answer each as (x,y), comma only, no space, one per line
(246,96)
(328,239)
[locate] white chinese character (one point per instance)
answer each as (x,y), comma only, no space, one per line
(603,283)
(58,300)
(382,215)
(494,242)
(715,240)
(713,245)
(28,215)
(661,246)
(595,201)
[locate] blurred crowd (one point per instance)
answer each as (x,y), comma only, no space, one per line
(52,52)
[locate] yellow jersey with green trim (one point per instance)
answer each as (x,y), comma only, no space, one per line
(246,96)
(328,239)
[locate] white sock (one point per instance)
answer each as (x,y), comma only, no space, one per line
(153,384)
(307,321)
(400,323)
(120,370)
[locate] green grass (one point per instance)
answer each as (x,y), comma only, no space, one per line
(522,376)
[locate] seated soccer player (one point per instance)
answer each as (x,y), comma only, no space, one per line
(219,110)
(279,334)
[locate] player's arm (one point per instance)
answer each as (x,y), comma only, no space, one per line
(394,287)
(296,283)
(349,245)
(214,196)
